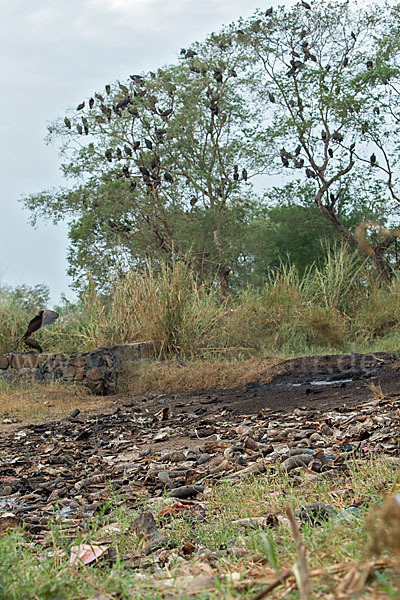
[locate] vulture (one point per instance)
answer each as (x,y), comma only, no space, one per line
(81,106)
(43,318)
(91,102)
(269,11)
(67,122)
(244,174)
(305,5)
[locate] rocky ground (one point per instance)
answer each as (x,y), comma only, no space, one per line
(313,419)
(320,410)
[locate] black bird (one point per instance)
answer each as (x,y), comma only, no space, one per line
(99,97)
(337,137)
(345,61)
(168,177)
(128,150)
(330,152)
(218,75)
(353,35)
(369,64)
(271,97)
(136,145)
(166,113)
(91,102)
(372,160)
(244,174)
(67,122)
(148,143)
(310,173)
(193,200)
(108,89)
(80,129)
(190,54)
(31,343)
(305,5)
(81,106)
(269,11)
(108,155)
(43,318)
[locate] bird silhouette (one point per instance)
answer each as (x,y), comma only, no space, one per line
(43,318)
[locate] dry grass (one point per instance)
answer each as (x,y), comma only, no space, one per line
(38,401)
(176,376)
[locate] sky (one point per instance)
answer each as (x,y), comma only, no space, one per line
(55,53)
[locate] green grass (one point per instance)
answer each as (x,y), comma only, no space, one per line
(41,571)
(336,308)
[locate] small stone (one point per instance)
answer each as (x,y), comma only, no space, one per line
(17,361)
(316,437)
(30,360)
(69,371)
(3,361)
(77,361)
(94,374)
(326,430)
(79,373)
(243,429)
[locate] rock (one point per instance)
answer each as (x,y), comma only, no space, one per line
(79,374)
(94,374)
(186,491)
(146,527)
(316,513)
(69,372)
(77,361)
(94,359)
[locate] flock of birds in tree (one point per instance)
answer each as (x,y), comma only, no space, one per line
(152,177)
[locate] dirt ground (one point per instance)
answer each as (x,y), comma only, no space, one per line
(319,382)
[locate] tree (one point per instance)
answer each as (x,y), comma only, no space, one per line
(320,88)
(161,165)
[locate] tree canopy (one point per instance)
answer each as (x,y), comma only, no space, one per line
(186,161)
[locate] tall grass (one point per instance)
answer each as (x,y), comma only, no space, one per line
(332,308)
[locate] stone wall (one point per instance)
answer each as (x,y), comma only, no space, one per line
(98,369)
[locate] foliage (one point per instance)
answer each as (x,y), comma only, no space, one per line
(324,87)
(159,166)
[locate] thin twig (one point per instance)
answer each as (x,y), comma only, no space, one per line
(300,568)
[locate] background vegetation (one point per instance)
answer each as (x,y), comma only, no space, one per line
(238,202)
